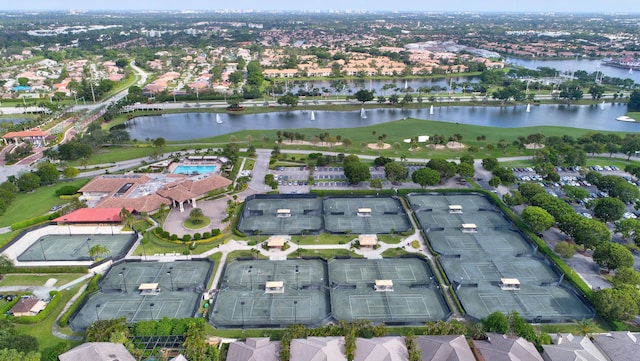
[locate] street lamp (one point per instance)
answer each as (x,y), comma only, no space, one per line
(97,314)
(295,311)
(44,256)
(88,248)
(151,311)
(123,280)
(242,312)
(250,280)
(297,272)
(170,277)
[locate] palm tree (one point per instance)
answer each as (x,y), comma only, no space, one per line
(98,251)
(585,327)
(196,216)
(126,217)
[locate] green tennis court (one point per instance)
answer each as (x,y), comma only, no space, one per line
(142,291)
(56,247)
(476,261)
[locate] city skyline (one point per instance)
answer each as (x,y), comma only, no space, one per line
(586,6)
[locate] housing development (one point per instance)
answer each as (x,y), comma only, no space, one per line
(326,185)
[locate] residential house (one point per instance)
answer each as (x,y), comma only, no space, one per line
(27,307)
(503,348)
(97,351)
(567,347)
(619,346)
(381,349)
(444,348)
(318,349)
(254,349)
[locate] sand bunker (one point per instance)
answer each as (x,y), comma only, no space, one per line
(377,146)
(455,145)
(534,146)
(305,142)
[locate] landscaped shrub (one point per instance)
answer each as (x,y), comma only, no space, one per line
(35,220)
(53,269)
(197,236)
(206,235)
(215,232)
(93,284)
(174,237)
(186,238)
(67,190)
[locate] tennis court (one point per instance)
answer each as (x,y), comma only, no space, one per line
(76,247)
(477,261)
(146,291)
(246,299)
(370,215)
(415,296)
(286,214)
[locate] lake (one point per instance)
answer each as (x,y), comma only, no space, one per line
(186,126)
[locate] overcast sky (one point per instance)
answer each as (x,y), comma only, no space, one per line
(598,6)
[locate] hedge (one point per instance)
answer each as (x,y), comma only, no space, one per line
(72,196)
(9,305)
(67,190)
(51,269)
(36,220)
(55,300)
(92,287)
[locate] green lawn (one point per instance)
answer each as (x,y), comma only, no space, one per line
(42,330)
(324,253)
(249,164)
(602,161)
(390,238)
(16,279)
(188,224)
(634,115)
(6,237)
(36,203)
(322,238)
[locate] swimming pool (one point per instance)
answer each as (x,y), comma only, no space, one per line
(194,169)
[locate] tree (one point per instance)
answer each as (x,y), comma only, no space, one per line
(395,172)
(575,193)
(48,173)
(466,169)
(51,353)
(70,172)
(195,342)
(159,142)
(6,264)
(196,216)
(590,232)
(629,229)
(530,189)
(627,275)
(537,219)
(98,251)
(596,91)
(375,183)
(617,304)
(13,355)
(288,100)
(565,249)
(634,101)
(356,172)
(608,209)
(27,182)
(364,95)
(126,217)
(612,255)
(425,177)
(495,182)
(101,331)
(445,168)
(490,163)
(496,322)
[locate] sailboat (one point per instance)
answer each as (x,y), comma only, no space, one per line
(313,115)
(363,115)
(218,120)
(528,108)
(431,109)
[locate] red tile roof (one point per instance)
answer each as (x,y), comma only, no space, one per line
(92,215)
(26,133)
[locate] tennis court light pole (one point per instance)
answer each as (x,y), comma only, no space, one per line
(242,312)
(295,311)
(123,280)
(44,256)
(170,277)
(97,314)
(151,311)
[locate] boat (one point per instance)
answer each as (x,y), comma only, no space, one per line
(313,115)
(625,63)
(625,118)
(363,115)
(218,120)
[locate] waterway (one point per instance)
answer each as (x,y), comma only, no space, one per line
(569,66)
(186,126)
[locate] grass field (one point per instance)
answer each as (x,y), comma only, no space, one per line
(42,330)
(634,115)
(36,203)
(16,279)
